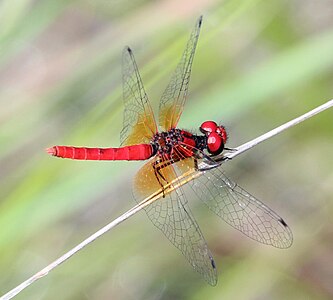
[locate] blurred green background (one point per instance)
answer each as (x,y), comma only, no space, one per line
(258,64)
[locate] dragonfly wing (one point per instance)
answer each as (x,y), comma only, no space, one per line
(174,96)
(173,217)
(241,210)
(139,122)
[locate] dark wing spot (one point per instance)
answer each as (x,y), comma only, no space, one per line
(200,21)
(213,263)
(283,223)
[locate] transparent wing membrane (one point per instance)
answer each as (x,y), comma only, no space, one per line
(174,96)
(173,217)
(139,123)
(233,204)
(241,210)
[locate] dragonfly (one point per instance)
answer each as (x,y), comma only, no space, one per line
(172,152)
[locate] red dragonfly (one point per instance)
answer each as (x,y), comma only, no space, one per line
(171,152)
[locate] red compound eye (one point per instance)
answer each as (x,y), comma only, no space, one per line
(215,143)
(208,127)
(223,133)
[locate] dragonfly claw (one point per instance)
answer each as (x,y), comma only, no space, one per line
(230,149)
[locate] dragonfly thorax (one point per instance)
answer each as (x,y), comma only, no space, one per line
(164,142)
(181,143)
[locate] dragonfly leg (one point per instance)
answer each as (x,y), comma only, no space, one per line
(196,167)
(158,166)
(158,176)
(157,170)
(230,149)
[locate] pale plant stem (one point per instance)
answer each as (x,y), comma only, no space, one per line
(242,148)
(185,178)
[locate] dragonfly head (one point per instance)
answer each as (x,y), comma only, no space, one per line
(216,136)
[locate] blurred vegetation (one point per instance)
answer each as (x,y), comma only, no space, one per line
(258,65)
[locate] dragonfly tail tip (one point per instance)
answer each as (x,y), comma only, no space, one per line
(51,151)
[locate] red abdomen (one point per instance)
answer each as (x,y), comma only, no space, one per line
(135,152)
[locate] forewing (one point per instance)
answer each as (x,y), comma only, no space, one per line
(139,122)
(173,217)
(241,210)
(174,96)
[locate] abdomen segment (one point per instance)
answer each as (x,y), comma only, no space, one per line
(135,152)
